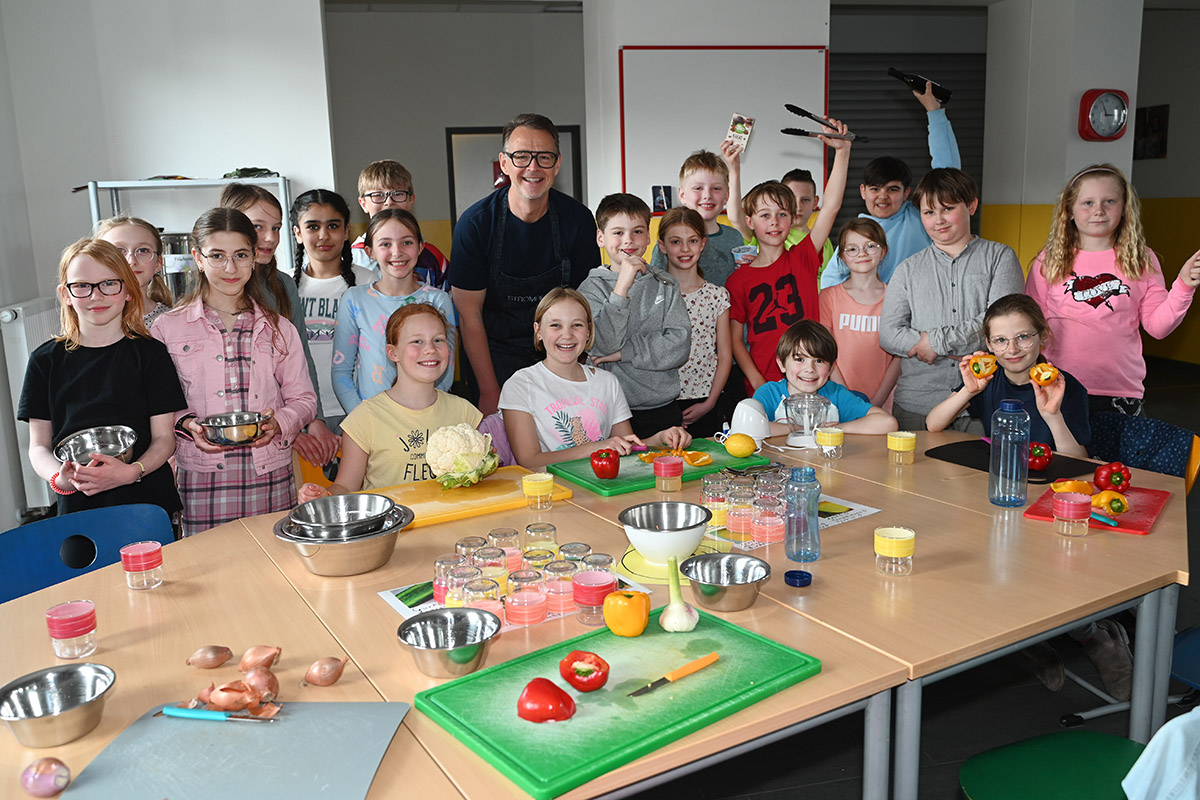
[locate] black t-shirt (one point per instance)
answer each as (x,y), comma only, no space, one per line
(1074,408)
(125,383)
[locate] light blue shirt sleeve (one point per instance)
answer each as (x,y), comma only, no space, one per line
(943,147)
(345,350)
(849,405)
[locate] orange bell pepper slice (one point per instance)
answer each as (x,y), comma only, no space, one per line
(1082,487)
(697,458)
(982,366)
(1043,374)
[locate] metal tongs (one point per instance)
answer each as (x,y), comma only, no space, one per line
(800,112)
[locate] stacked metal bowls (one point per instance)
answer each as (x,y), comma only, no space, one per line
(56,705)
(110,440)
(346,534)
(725,581)
(449,642)
(233,428)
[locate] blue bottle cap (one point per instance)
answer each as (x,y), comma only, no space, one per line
(1011,405)
(797,577)
(804,474)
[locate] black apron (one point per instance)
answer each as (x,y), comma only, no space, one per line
(510,302)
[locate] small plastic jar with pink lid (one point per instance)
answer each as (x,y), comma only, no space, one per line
(143,564)
(668,473)
(591,584)
(1072,513)
(72,627)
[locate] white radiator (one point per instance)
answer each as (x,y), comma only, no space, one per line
(25,326)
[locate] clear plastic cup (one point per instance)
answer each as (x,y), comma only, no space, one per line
(591,584)
(541,536)
(560,588)
(441,567)
(538,488)
(72,627)
(525,603)
(894,547)
(508,540)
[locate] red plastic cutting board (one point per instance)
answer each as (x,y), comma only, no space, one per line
(609,728)
(1144,507)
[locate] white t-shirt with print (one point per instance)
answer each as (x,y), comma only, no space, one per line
(566,413)
(320,297)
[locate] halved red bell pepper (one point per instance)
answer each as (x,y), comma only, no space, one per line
(1040,456)
(606,464)
(1115,476)
(543,701)
(586,671)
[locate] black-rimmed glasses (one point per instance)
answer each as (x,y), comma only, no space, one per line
(521,158)
(83,289)
(379,198)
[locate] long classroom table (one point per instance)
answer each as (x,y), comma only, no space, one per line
(853,676)
(986,581)
(219,588)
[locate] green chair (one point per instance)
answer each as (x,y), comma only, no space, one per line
(1068,765)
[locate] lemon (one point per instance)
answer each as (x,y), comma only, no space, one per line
(739,445)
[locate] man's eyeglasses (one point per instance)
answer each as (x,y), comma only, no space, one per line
(870,248)
(379,198)
(142,255)
(1023,340)
(241,258)
(521,158)
(83,289)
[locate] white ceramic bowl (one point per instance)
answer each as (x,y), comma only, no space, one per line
(663,529)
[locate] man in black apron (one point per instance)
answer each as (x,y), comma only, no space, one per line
(511,248)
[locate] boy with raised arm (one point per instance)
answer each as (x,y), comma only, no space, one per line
(886,186)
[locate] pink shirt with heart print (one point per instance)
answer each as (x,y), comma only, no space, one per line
(1095,316)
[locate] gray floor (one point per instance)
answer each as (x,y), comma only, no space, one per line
(993,705)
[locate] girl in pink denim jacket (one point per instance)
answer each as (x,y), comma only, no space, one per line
(233,353)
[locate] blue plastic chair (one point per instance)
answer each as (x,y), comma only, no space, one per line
(50,551)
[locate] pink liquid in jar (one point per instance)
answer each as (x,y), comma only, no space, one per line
(525,608)
(560,597)
(439,591)
(513,554)
(494,606)
(737,520)
(767,529)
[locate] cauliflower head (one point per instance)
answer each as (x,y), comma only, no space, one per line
(459,455)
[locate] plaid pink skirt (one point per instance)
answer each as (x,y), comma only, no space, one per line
(214,498)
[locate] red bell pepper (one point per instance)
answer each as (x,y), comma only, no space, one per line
(1040,456)
(543,701)
(606,464)
(586,671)
(1115,476)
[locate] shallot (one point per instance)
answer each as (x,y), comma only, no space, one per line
(259,656)
(209,657)
(325,671)
(45,777)
(233,696)
(264,682)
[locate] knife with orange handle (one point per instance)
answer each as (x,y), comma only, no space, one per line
(676,674)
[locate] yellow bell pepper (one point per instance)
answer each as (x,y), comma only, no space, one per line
(1082,487)
(626,612)
(1110,502)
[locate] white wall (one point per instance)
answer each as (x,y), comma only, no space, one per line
(1163,79)
(17,279)
(122,89)
(609,25)
(442,70)
(1042,57)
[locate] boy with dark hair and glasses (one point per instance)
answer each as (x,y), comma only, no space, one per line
(387,184)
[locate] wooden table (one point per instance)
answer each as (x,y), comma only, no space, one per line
(853,676)
(219,589)
(986,581)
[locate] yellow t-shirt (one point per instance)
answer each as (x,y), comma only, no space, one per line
(394,437)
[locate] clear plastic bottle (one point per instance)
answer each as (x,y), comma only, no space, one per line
(1008,475)
(803,538)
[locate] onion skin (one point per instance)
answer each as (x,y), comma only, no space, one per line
(45,777)
(209,657)
(259,656)
(264,682)
(325,671)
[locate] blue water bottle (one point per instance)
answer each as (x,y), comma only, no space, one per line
(803,493)
(1008,474)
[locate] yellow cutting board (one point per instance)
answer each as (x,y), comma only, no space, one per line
(431,504)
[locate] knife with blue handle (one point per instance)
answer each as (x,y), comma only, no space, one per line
(210,714)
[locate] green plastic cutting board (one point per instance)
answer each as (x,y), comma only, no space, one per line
(636,474)
(609,728)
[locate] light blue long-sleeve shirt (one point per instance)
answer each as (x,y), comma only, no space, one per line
(361,368)
(905,234)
